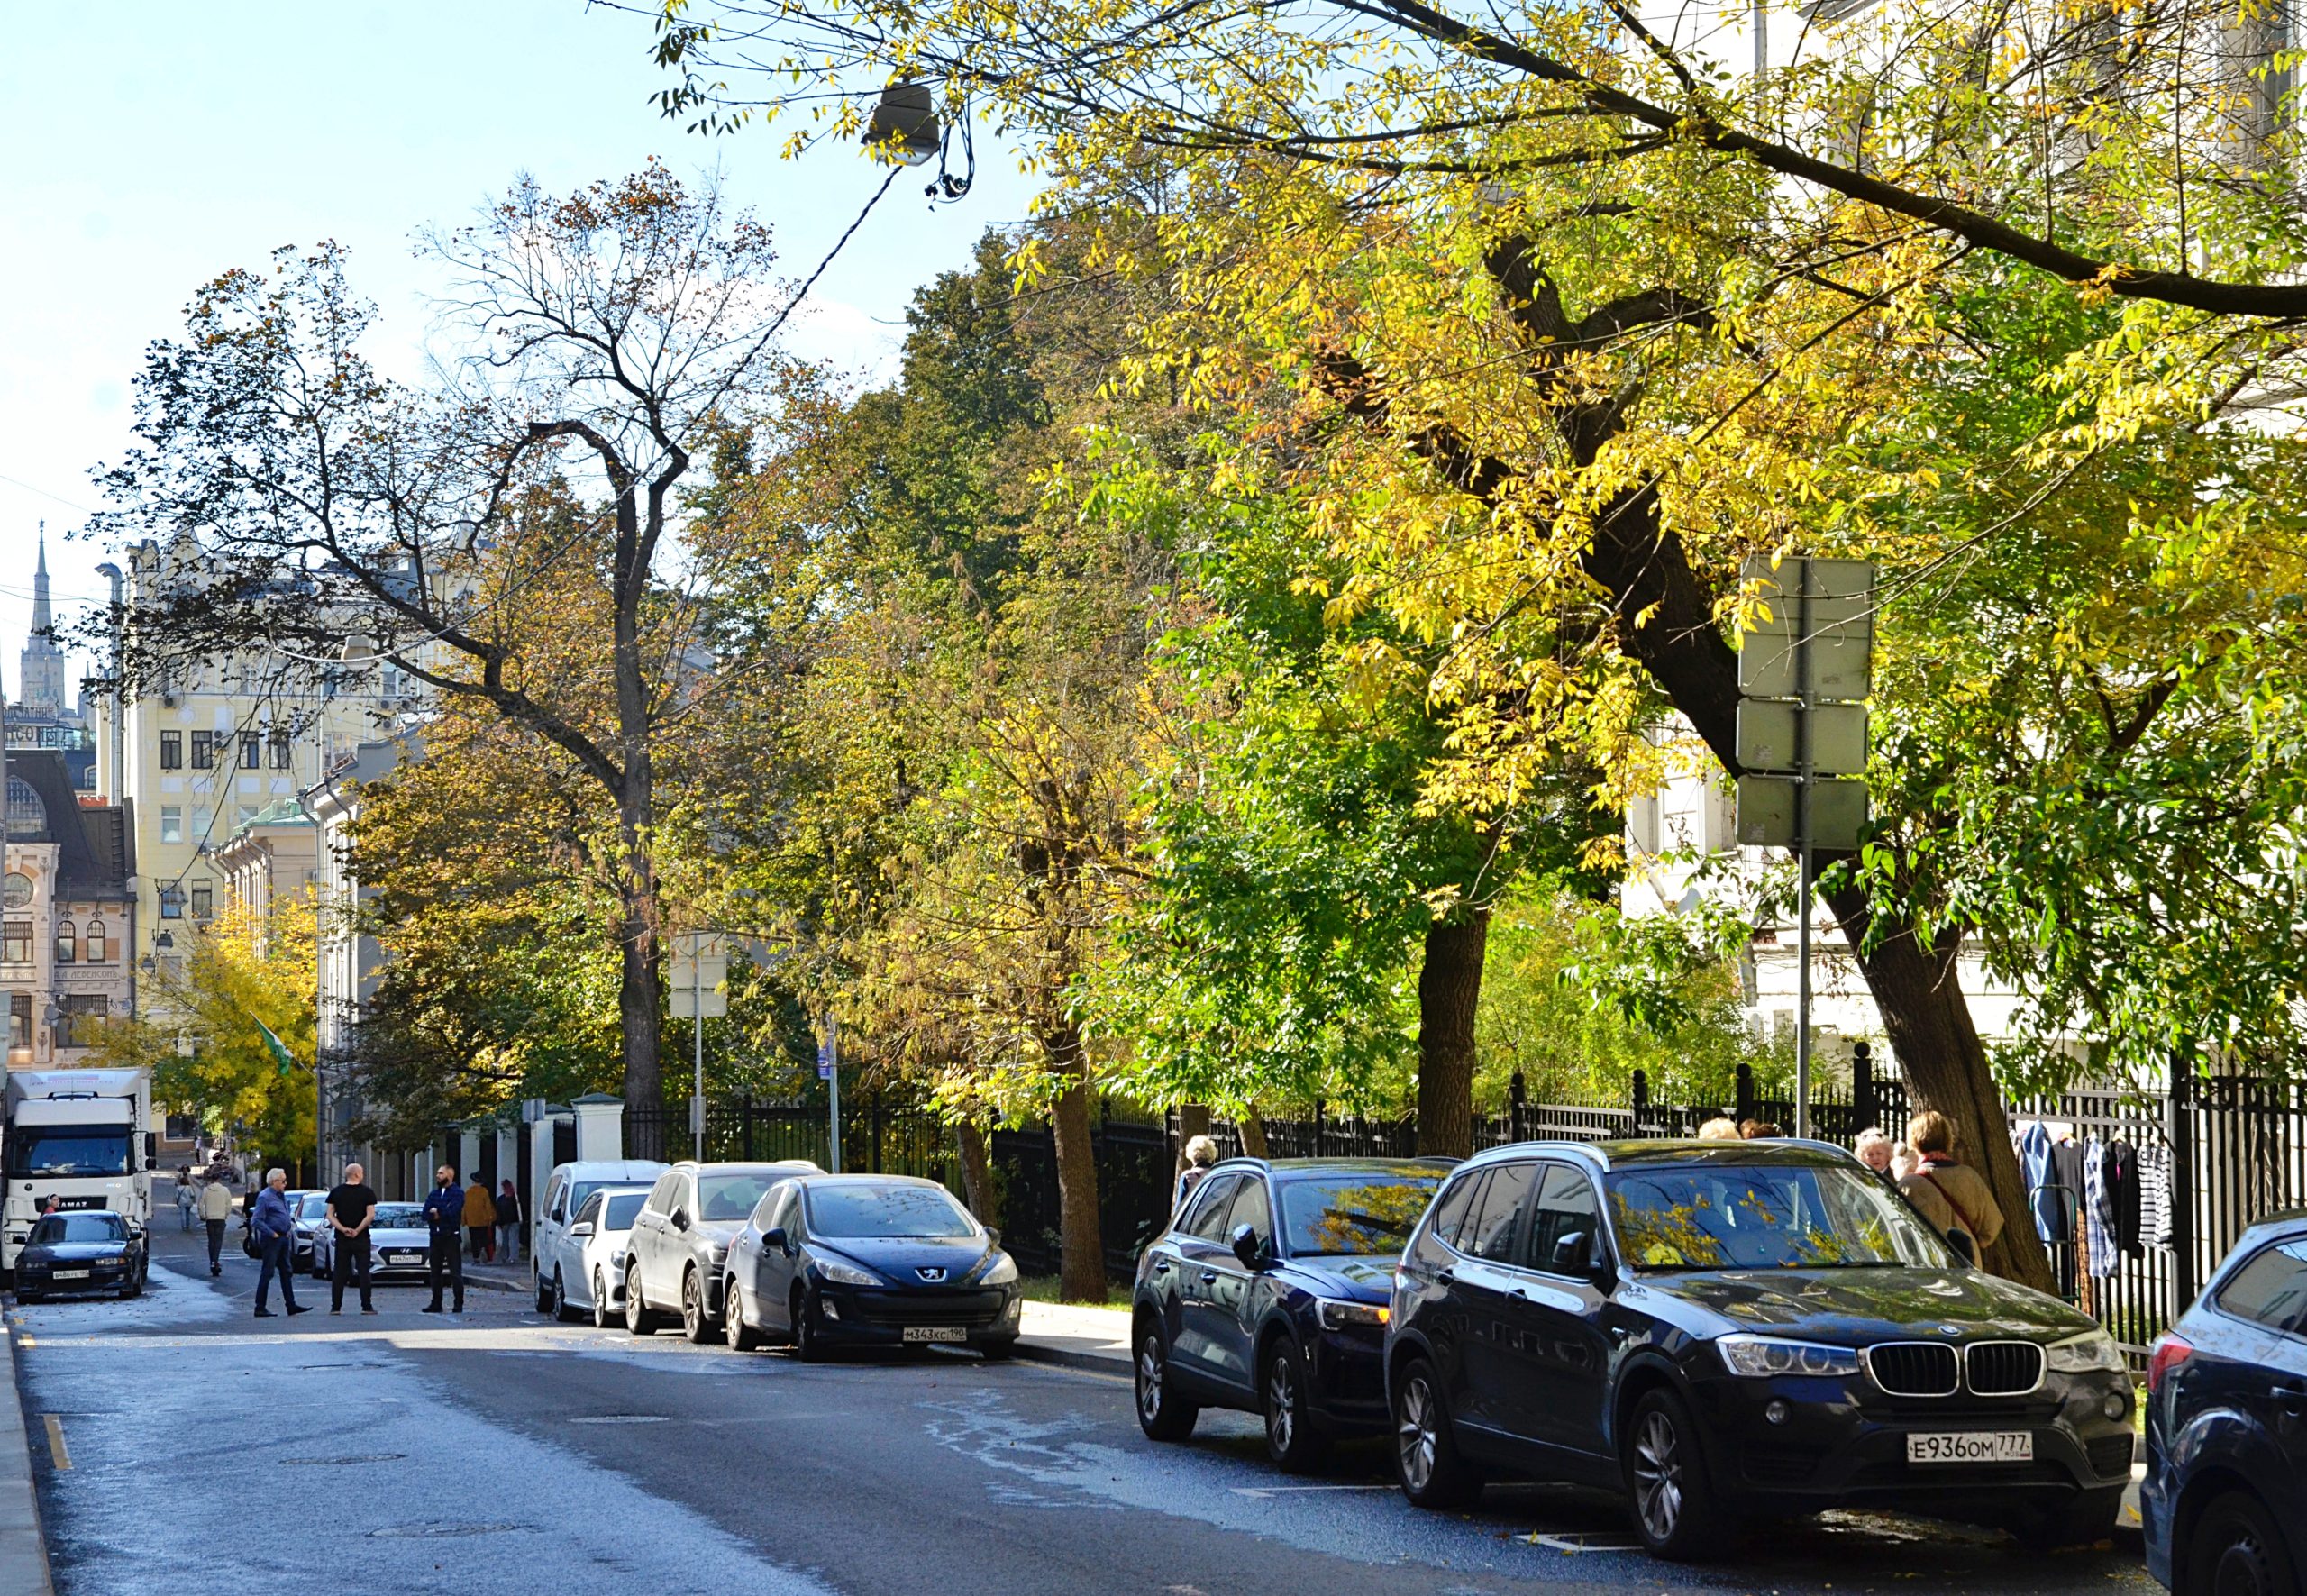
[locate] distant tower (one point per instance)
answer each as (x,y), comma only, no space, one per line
(41,667)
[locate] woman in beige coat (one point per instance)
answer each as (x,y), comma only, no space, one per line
(1950,1194)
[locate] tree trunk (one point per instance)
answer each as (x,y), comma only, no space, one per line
(640,1009)
(1193,1120)
(977,1172)
(1928,1020)
(1250,1127)
(1081,1248)
(1449,986)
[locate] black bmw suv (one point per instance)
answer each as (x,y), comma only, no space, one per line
(1737,1330)
(1269,1292)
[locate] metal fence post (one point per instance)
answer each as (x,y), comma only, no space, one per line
(1862,1085)
(2179,1130)
(1744,1108)
(1639,1101)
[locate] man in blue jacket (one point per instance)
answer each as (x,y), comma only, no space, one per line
(444,1216)
(275,1229)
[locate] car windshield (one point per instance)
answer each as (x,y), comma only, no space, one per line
(59,1150)
(887,1211)
(732,1197)
(1353,1214)
(582,1189)
(617,1213)
(61,1227)
(398,1216)
(316,1206)
(1761,1216)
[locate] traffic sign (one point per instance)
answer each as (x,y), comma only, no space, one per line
(1766,818)
(1769,733)
(1838,633)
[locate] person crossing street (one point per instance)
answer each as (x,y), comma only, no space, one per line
(275,1229)
(215,1212)
(444,1217)
(350,1207)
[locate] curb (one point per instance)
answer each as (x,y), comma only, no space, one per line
(24,1551)
(1063,1357)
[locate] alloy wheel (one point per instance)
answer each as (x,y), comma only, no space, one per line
(1416,1435)
(692,1307)
(1281,1405)
(1149,1377)
(600,1301)
(1658,1476)
(560,1297)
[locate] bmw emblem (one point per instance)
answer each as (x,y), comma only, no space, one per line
(1950,1331)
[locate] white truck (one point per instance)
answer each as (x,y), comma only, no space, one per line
(81,1137)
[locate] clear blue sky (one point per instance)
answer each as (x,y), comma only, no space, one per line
(151,143)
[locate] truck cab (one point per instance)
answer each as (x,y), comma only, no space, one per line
(80,1139)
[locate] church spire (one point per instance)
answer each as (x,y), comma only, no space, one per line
(41,667)
(39,584)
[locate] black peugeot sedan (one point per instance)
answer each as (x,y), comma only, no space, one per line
(1729,1331)
(93,1250)
(1269,1292)
(828,1261)
(2224,1503)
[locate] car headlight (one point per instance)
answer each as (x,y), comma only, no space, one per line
(1004,1272)
(1758,1357)
(2092,1351)
(845,1274)
(1337,1314)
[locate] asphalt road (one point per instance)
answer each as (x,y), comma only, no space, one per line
(196,1448)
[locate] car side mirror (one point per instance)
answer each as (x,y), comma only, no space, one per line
(1571,1253)
(1247,1247)
(774,1237)
(582,1228)
(680,1219)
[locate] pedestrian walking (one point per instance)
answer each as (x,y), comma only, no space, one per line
(184,1200)
(215,1212)
(481,1222)
(1965,1204)
(444,1258)
(1200,1154)
(352,1205)
(508,1223)
(275,1229)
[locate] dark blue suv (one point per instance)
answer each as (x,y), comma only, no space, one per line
(2224,1504)
(1268,1292)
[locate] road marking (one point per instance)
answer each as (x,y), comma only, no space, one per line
(1579,1542)
(56,1451)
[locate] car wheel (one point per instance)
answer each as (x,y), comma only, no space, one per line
(1666,1485)
(695,1325)
(998,1352)
(808,1340)
(1161,1413)
(1293,1443)
(600,1301)
(2082,1519)
(562,1312)
(24,1296)
(1425,1450)
(741,1336)
(544,1293)
(2236,1551)
(638,1319)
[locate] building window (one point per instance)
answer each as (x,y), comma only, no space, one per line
(95,946)
(250,747)
(79,1020)
(16,942)
(172,823)
(204,902)
(20,1022)
(279,740)
(172,903)
(394,682)
(204,749)
(67,943)
(27,816)
(172,750)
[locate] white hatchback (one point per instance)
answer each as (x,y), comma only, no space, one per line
(589,1268)
(565,1192)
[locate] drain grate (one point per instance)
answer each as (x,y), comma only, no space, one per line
(340,1463)
(428,1532)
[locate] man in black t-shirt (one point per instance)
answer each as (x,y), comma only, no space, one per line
(350,1207)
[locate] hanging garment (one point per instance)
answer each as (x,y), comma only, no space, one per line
(2122,1195)
(2098,1214)
(2067,1185)
(2155,1194)
(2035,1165)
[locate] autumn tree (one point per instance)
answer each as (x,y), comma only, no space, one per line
(597,337)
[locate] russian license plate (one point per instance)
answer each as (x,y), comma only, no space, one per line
(1973,1446)
(934,1333)
(70,1274)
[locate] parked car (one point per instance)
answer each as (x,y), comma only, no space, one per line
(310,1209)
(588,1269)
(678,1252)
(1269,1291)
(1725,1330)
(398,1242)
(2224,1504)
(88,1250)
(301,1248)
(867,1261)
(565,1192)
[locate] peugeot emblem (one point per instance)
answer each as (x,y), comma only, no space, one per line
(932,1275)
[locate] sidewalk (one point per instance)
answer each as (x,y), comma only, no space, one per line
(23,1560)
(1077,1337)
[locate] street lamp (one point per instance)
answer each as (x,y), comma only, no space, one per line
(904,126)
